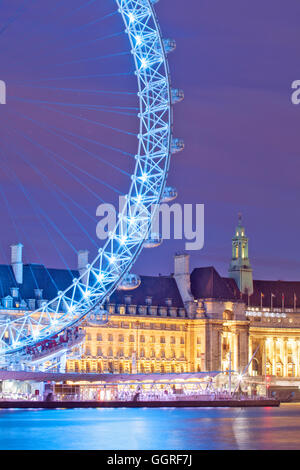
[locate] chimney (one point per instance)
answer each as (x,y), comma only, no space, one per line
(83,260)
(183,280)
(16,262)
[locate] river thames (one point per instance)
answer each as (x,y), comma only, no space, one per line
(148,429)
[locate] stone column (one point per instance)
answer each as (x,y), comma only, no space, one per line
(236,351)
(274,357)
(295,356)
(250,355)
(298,357)
(285,358)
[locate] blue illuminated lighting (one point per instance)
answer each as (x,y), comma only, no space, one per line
(115,259)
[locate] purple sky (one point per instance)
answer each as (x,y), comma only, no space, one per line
(235,61)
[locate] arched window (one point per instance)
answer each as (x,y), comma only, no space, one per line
(228,315)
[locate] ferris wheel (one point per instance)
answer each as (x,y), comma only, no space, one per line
(112,263)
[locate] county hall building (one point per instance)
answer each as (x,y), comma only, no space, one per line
(186,322)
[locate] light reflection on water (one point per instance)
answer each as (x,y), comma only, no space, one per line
(189,428)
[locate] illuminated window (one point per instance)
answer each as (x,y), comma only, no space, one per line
(122,310)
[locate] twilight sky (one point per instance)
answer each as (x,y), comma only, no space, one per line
(235,61)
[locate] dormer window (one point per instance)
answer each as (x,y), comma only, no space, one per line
(169,302)
(14,292)
(31,304)
(8,302)
(128,299)
(38,293)
(148,300)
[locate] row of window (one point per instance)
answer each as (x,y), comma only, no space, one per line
(148,326)
(142,353)
(126,368)
(132,338)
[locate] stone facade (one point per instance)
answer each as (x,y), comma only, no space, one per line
(185,322)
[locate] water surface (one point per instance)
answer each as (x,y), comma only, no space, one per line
(164,428)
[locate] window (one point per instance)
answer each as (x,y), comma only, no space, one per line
(172,340)
(8,302)
(162,339)
(99,351)
(122,310)
(142,339)
(131,338)
(110,337)
(99,337)
(121,338)
(182,340)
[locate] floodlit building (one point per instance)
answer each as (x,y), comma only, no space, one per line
(186,322)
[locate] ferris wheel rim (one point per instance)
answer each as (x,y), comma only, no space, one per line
(154,152)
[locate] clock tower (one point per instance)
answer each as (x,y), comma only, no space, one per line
(240,269)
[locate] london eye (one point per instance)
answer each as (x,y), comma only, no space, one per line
(42,107)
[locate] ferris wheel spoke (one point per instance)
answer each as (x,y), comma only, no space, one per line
(151,162)
(94,59)
(93,41)
(56,156)
(54,193)
(38,214)
(77,90)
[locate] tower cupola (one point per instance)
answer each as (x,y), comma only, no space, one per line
(240,269)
